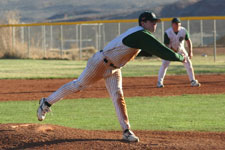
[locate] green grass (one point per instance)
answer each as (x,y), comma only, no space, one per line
(175,113)
(187,112)
(20,69)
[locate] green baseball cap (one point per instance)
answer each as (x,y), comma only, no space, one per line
(176,20)
(148,15)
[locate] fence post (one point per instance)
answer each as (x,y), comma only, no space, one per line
(61,41)
(81,41)
(201,33)
(51,41)
(188,27)
(103,35)
(13,38)
(28,49)
(99,36)
(119,28)
(77,36)
(96,36)
(22,34)
(162,23)
(44,40)
(214,35)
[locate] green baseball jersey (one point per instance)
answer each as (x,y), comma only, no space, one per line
(146,41)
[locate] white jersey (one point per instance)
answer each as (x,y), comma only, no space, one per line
(176,43)
(97,68)
(105,64)
(118,53)
(177,40)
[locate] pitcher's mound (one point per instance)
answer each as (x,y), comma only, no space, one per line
(44,136)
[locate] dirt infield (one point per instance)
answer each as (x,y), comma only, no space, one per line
(51,137)
(135,86)
(42,136)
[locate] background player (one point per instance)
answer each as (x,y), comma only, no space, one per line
(107,63)
(174,38)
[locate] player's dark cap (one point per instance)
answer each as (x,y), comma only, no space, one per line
(176,20)
(147,15)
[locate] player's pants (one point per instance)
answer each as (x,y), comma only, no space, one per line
(165,65)
(95,70)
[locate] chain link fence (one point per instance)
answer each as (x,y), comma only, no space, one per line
(79,40)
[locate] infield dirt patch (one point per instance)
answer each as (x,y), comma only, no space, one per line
(52,137)
(43,136)
(134,86)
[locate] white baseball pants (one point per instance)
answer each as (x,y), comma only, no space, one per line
(166,63)
(95,70)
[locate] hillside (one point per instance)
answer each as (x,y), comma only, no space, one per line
(176,9)
(76,10)
(194,8)
(43,10)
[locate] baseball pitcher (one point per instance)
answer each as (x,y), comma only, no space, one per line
(107,63)
(174,38)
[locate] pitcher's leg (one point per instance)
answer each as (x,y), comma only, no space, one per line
(63,91)
(114,87)
(93,72)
